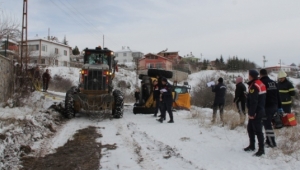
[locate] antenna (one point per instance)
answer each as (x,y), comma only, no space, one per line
(264,61)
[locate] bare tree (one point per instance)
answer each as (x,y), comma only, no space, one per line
(51,59)
(10,26)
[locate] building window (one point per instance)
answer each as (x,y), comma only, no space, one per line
(43,61)
(65,52)
(44,48)
(150,65)
(34,61)
(159,65)
(56,50)
(124,61)
(33,47)
(124,54)
(65,63)
(56,62)
(116,54)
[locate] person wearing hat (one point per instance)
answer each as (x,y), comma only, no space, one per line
(166,99)
(272,105)
(286,91)
(220,91)
(256,110)
(240,98)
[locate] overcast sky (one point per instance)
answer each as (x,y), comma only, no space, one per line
(244,28)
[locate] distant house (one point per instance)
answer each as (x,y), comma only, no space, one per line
(127,55)
(155,61)
(285,68)
(48,51)
(171,55)
(10,47)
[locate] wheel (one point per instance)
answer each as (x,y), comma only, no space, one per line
(69,105)
(143,110)
(118,109)
(162,73)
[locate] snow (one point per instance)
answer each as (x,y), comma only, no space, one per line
(192,142)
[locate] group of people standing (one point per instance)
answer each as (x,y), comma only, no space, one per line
(45,78)
(264,98)
(162,97)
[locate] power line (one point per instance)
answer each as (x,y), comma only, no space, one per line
(68,14)
(78,13)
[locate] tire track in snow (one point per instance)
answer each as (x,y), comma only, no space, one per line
(155,149)
(142,159)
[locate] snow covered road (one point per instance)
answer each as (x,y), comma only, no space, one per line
(144,143)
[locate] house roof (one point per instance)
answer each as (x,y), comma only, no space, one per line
(168,52)
(155,55)
(9,40)
(44,39)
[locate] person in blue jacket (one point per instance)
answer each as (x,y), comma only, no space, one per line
(220,92)
(166,99)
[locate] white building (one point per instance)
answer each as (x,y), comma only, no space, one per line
(48,51)
(127,55)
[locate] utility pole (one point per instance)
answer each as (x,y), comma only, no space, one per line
(264,61)
(6,46)
(24,47)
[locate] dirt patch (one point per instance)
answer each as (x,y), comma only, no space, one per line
(82,153)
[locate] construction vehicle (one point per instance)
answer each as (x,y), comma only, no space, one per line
(181,95)
(95,91)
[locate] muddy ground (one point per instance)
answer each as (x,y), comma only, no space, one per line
(81,153)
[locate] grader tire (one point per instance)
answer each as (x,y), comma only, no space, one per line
(69,105)
(118,110)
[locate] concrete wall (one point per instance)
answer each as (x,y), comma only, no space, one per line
(6,78)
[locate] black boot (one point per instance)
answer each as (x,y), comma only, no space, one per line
(160,120)
(249,148)
(259,152)
(171,121)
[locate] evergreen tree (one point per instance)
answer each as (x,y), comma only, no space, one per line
(75,51)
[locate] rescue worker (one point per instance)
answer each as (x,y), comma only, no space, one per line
(145,92)
(272,105)
(137,95)
(240,98)
(156,96)
(286,91)
(37,77)
(166,99)
(46,78)
(256,110)
(220,91)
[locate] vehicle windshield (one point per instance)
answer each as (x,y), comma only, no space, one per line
(180,90)
(94,58)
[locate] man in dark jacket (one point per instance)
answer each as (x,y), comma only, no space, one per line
(137,95)
(166,99)
(273,104)
(46,78)
(286,91)
(145,92)
(220,91)
(256,111)
(240,98)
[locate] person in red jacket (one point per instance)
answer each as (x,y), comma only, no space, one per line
(46,78)
(256,111)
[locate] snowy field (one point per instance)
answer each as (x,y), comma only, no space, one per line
(192,142)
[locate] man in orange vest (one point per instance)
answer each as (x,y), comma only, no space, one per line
(256,111)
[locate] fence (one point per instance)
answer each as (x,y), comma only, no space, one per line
(6,78)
